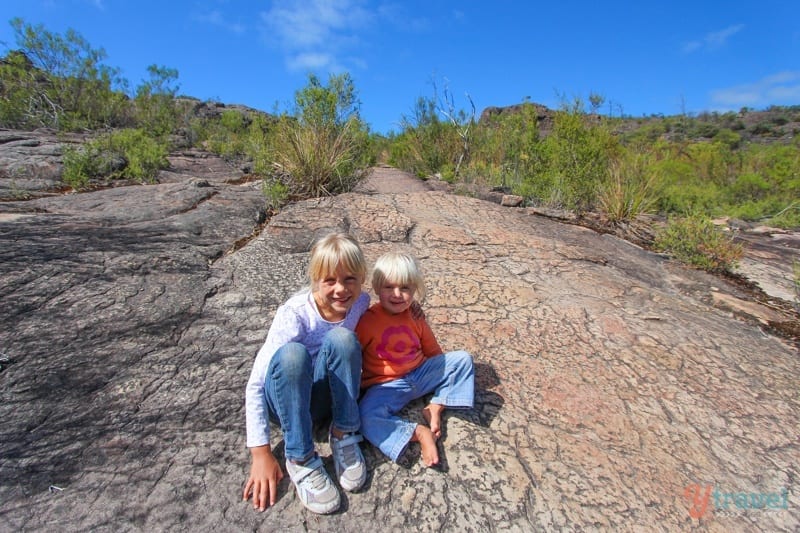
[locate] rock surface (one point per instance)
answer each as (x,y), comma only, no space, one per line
(607,380)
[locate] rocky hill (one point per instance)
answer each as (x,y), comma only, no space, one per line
(777,124)
(616,389)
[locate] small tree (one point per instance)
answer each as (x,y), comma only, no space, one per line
(461,121)
(596,101)
(66,84)
(155,100)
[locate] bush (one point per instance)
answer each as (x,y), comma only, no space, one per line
(572,161)
(79,166)
(505,148)
(695,240)
(124,154)
(145,155)
(747,188)
(427,144)
(155,106)
(729,138)
(276,193)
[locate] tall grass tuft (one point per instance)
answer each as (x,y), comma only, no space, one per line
(629,189)
(318,160)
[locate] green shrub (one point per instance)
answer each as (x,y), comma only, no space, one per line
(276,193)
(79,166)
(568,166)
(788,217)
(59,81)
(154,104)
(145,155)
(761,129)
(427,144)
(729,138)
(695,240)
(123,154)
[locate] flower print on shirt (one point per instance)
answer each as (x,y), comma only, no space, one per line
(398,345)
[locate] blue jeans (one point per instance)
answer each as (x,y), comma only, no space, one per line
(300,393)
(450,376)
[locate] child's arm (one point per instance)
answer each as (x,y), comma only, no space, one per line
(265,474)
(430,347)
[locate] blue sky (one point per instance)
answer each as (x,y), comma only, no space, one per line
(644,57)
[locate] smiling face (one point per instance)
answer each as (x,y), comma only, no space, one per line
(396,297)
(336,293)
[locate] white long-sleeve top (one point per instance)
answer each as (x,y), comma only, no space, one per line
(297,320)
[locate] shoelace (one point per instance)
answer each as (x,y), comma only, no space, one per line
(348,452)
(316,479)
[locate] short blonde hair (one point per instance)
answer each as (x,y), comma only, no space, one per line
(333,250)
(400,268)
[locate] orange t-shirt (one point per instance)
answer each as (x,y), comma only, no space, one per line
(393,345)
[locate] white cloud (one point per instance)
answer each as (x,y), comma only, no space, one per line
(719,38)
(398,17)
(310,61)
(782,88)
(713,40)
(313,33)
(215,18)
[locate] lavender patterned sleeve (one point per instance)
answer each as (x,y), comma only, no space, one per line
(287,326)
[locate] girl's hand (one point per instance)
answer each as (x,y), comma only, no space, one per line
(265,474)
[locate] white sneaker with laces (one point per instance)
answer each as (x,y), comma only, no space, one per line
(351,469)
(314,488)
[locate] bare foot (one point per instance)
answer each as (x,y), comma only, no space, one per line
(433,415)
(430,454)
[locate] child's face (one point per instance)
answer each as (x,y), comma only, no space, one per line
(396,297)
(336,293)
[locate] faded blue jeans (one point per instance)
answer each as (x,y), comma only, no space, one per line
(450,376)
(300,393)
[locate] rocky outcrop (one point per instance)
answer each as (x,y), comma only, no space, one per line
(610,390)
(30,162)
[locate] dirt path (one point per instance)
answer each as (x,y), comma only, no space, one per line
(388,180)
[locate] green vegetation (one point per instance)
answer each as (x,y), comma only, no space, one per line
(713,164)
(628,190)
(742,164)
(697,241)
(60,81)
(321,148)
(123,154)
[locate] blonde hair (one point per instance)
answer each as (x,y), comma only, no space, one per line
(400,268)
(333,250)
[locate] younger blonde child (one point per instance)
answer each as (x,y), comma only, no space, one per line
(402,361)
